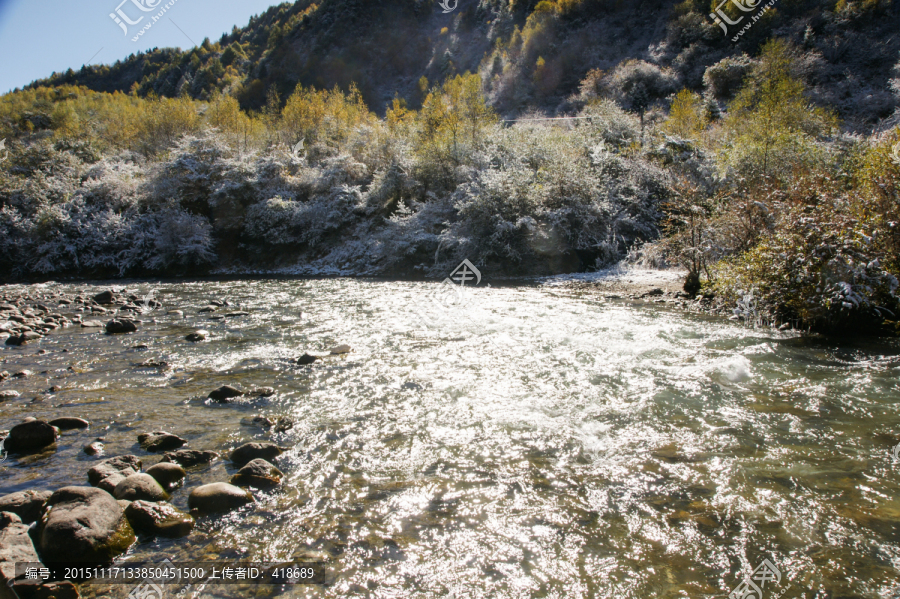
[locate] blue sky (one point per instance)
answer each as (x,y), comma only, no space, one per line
(38,37)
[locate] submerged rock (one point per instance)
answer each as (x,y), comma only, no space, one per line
(27,505)
(92,324)
(251,451)
(159,519)
(258,473)
(30,436)
(187,458)
(196,336)
(9,394)
(83,522)
(140,486)
(218,497)
(160,441)
(68,423)
(306,359)
(166,474)
(93,448)
(225,393)
(263,392)
(120,326)
(340,349)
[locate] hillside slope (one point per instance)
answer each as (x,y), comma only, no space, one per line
(532,56)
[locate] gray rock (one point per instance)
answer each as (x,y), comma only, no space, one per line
(140,486)
(251,451)
(159,519)
(225,393)
(258,473)
(15,546)
(69,423)
(166,474)
(30,436)
(339,350)
(196,336)
(8,394)
(26,505)
(187,458)
(120,326)
(160,441)
(218,497)
(83,522)
(109,473)
(92,324)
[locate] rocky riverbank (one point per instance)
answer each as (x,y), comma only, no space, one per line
(121,498)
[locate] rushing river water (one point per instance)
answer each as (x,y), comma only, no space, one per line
(534,441)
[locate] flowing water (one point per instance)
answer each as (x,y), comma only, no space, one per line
(532,441)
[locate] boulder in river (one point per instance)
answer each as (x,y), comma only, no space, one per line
(225,393)
(92,324)
(263,392)
(120,326)
(258,473)
(340,350)
(159,519)
(140,486)
(218,497)
(83,522)
(160,441)
(251,451)
(67,423)
(196,336)
(30,436)
(306,359)
(8,394)
(187,458)
(109,473)
(26,505)
(166,474)
(17,340)
(105,297)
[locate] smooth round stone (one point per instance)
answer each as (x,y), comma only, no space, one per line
(166,474)
(94,448)
(224,393)
(247,453)
(83,522)
(196,336)
(160,441)
(140,486)
(258,473)
(30,436)
(67,423)
(159,519)
(218,497)
(108,473)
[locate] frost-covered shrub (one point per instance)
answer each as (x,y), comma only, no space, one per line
(278,221)
(723,79)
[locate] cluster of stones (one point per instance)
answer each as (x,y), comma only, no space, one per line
(97,523)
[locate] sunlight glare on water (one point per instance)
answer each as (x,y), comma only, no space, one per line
(531,442)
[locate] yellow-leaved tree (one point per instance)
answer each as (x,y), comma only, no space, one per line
(771,128)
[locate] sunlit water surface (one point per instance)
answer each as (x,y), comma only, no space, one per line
(530,442)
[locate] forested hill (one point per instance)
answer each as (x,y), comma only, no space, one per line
(531,55)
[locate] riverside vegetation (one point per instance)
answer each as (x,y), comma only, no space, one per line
(744,180)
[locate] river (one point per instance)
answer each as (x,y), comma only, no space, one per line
(526,441)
